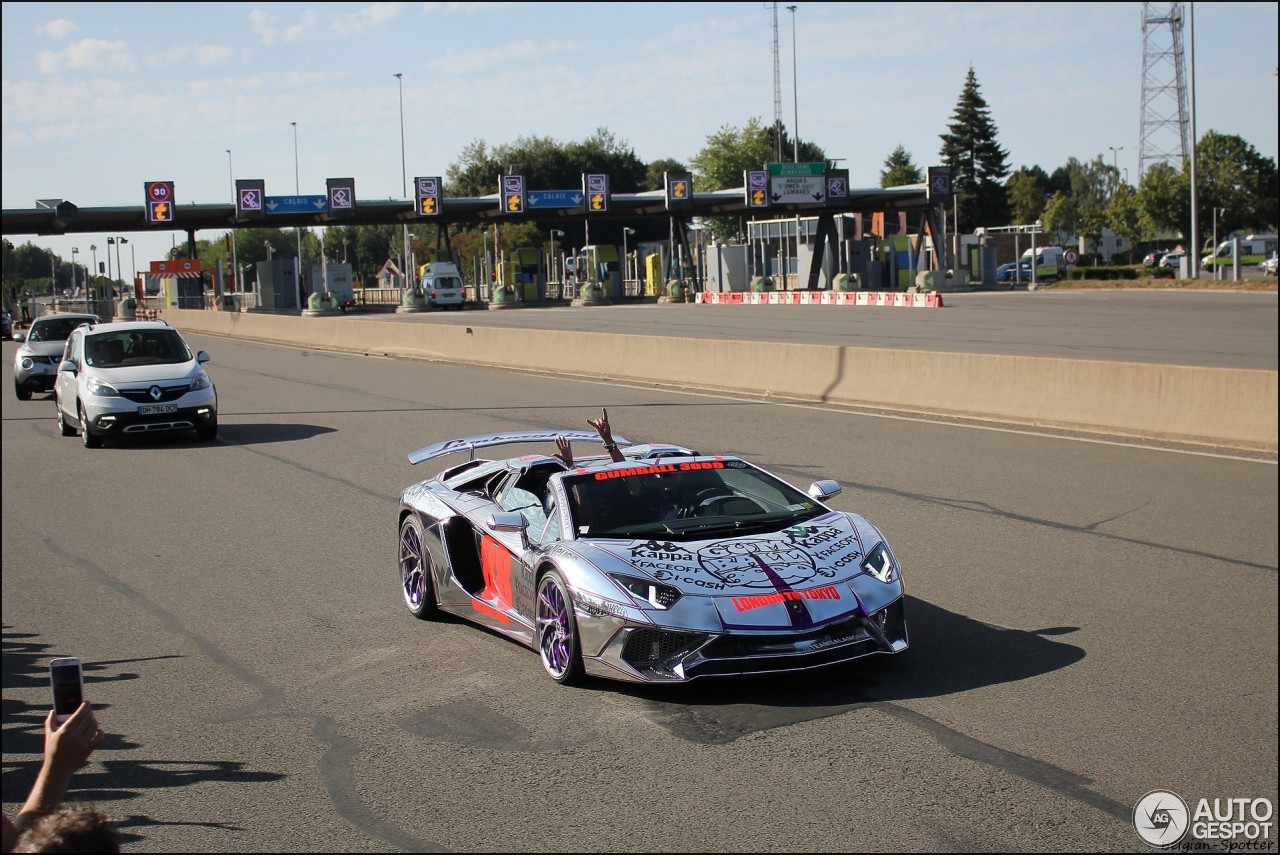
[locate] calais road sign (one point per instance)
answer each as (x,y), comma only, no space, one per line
(554,198)
(297,204)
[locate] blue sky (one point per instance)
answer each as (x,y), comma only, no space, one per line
(100,97)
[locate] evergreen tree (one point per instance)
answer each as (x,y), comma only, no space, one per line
(978,163)
(899,170)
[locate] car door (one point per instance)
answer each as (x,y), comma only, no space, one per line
(67,385)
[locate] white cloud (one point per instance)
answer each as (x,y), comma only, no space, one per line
(58,29)
(92,55)
(205,56)
(264,25)
(367,18)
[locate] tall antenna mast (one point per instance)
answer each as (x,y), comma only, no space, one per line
(1163,137)
(777,89)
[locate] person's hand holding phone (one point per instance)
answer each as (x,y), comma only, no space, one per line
(68,745)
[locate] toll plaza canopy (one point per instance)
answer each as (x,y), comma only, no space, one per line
(65,217)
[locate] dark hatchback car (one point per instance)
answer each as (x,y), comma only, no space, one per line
(6,326)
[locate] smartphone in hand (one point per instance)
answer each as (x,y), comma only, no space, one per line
(66,676)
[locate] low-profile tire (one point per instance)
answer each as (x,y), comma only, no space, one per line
(63,428)
(21,390)
(558,644)
(207,432)
(90,439)
(416,585)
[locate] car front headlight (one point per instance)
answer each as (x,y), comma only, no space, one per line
(201,381)
(100,388)
(879,563)
(26,363)
(653,593)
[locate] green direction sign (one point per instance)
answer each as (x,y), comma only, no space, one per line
(796,170)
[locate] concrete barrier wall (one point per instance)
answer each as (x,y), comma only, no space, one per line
(1235,408)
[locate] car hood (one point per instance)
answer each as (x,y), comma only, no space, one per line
(814,554)
(139,375)
(43,348)
(800,576)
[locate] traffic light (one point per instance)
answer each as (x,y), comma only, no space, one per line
(512,194)
(428,191)
(251,196)
(595,188)
(757,183)
(159,196)
(342,197)
(679,191)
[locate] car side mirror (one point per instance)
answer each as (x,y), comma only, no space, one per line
(511,522)
(824,489)
(203,356)
(68,365)
(19,336)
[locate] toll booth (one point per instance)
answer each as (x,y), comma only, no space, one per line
(604,265)
(526,273)
(727,268)
(278,285)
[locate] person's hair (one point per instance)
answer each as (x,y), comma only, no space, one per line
(70,828)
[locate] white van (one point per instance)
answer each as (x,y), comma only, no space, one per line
(1250,245)
(441,284)
(1050,263)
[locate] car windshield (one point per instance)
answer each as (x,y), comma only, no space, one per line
(683,500)
(126,348)
(54,329)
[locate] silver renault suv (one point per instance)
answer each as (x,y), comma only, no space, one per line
(133,377)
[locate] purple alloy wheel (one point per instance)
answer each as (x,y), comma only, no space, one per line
(412,575)
(555,638)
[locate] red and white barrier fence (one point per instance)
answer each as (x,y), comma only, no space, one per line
(929,300)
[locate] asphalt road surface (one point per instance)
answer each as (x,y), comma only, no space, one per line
(1090,621)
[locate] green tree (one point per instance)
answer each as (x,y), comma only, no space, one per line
(720,164)
(1163,198)
(1234,176)
(978,163)
(1027,190)
(899,170)
(1091,187)
(1061,216)
(1124,217)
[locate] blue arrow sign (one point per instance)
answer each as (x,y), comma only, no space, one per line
(554,198)
(296,204)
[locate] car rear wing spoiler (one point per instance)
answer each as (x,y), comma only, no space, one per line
(471,443)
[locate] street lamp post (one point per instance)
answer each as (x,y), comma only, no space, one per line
(795,100)
(75,250)
(110,243)
(1214,251)
(404,189)
(297,191)
(235,263)
(413,257)
(119,266)
(93,247)
(1114,165)
(551,268)
(1035,228)
(625,231)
